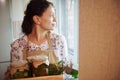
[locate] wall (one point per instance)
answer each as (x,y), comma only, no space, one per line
(5,31)
(5,36)
(99,40)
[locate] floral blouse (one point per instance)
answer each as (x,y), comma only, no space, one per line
(58,44)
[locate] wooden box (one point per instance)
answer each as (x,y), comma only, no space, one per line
(55,77)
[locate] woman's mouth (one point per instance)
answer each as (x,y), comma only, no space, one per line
(53,24)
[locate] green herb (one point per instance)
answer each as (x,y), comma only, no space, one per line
(74,73)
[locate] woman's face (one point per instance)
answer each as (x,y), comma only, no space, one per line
(48,19)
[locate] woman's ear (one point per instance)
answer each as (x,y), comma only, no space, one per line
(36,19)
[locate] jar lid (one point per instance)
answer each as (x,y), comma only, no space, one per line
(38,58)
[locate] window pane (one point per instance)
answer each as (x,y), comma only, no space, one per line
(67,15)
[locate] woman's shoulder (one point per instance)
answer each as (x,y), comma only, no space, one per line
(19,42)
(57,36)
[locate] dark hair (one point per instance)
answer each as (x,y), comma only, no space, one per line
(35,7)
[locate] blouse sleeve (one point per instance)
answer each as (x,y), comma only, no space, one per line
(16,51)
(63,51)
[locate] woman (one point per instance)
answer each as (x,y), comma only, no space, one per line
(39,21)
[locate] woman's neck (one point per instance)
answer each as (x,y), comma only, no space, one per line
(37,36)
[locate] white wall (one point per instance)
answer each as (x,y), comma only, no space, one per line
(5,35)
(5,31)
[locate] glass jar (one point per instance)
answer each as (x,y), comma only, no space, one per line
(19,69)
(39,65)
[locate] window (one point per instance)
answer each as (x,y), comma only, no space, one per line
(67,18)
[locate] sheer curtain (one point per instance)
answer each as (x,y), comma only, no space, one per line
(67,24)
(17,13)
